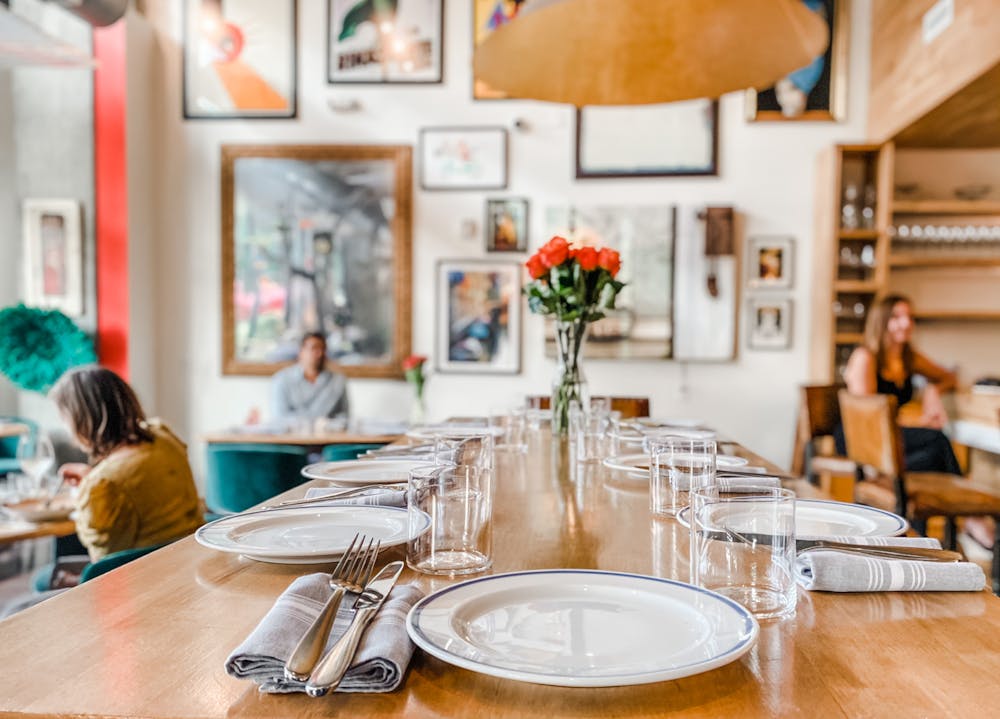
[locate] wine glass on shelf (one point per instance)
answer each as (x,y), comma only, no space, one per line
(37,458)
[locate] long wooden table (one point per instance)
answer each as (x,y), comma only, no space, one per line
(150,639)
(304,439)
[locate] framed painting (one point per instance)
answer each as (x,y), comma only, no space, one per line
(479,317)
(642,326)
(316,238)
(384,43)
(487,16)
(507,225)
(817,91)
(770,323)
(53,255)
(239,59)
(770,263)
(463,158)
(675,139)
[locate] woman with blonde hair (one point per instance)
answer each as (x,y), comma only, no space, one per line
(138,490)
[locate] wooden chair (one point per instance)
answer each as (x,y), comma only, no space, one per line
(819,415)
(630,407)
(875,444)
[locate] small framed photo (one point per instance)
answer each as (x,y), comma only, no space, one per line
(53,255)
(463,158)
(240,59)
(404,46)
(770,323)
(478,317)
(770,262)
(507,225)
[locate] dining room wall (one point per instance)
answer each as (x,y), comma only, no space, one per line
(766,171)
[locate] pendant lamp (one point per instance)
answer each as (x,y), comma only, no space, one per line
(635,52)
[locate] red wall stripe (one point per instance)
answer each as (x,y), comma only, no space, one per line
(111,197)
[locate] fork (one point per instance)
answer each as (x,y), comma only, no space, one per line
(336,495)
(350,575)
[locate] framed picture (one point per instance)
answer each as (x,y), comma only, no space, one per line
(817,91)
(479,317)
(463,158)
(770,323)
(770,263)
(53,255)
(239,59)
(678,138)
(316,238)
(398,43)
(487,16)
(507,225)
(642,326)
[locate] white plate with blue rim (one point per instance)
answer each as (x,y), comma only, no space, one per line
(365,471)
(581,628)
(826,519)
(637,464)
(309,535)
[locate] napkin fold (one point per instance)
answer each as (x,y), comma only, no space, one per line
(381,659)
(374,497)
(827,570)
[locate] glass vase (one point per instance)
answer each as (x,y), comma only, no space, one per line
(417,409)
(569,383)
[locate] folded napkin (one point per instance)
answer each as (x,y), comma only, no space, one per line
(371,497)
(378,665)
(747,484)
(828,570)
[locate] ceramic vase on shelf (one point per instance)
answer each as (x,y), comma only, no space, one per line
(569,383)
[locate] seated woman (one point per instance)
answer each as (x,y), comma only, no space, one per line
(885,364)
(139,490)
(307,389)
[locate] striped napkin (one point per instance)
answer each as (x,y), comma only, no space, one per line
(828,570)
(375,497)
(378,665)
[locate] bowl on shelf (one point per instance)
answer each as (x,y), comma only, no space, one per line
(972,192)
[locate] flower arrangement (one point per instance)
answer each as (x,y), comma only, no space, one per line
(574,284)
(413,370)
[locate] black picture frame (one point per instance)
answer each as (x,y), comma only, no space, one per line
(188,67)
(486,150)
(497,237)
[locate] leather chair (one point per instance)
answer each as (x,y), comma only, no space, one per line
(819,416)
(875,444)
(630,407)
(242,475)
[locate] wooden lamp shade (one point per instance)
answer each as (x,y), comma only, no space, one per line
(635,52)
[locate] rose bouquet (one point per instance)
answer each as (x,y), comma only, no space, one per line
(574,285)
(413,370)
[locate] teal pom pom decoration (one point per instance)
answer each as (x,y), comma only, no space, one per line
(38,346)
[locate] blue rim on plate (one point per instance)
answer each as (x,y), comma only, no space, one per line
(744,627)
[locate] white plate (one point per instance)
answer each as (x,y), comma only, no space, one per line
(823,518)
(639,463)
(365,471)
(34,510)
(308,535)
(581,628)
(432,430)
(669,422)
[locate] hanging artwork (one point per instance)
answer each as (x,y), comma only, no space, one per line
(239,59)
(463,158)
(316,238)
(817,91)
(770,323)
(507,225)
(384,41)
(53,255)
(770,262)
(479,317)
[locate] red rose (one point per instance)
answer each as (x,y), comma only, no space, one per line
(536,267)
(413,361)
(587,257)
(554,252)
(610,260)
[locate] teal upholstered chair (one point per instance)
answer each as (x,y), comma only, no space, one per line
(115,560)
(341,452)
(242,475)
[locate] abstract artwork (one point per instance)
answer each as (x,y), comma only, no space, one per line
(53,255)
(479,317)
(463,158)
(239,59)
(384,41)
(507,225)
(316,238)
(642,325)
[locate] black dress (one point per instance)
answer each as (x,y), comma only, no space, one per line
(924,449)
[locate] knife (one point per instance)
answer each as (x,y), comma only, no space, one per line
(331,668)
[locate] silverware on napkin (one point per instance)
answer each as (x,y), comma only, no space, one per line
(331,668)
(924,554)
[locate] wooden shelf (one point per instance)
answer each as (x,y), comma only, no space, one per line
(946,207)
(863,286)
(957,315)
(858,234)
(848,338)
(916,259)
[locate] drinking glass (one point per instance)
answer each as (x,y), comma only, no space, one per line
(678,465)
(472,447)
(459,502)
(743,546)
(536,417)
(36,457)
(508,427)
(591,432)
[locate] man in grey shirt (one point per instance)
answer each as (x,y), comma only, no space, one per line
(307,390)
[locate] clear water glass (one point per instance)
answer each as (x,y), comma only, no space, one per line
(473,447)
(509,430)
(36,455)
(591,431)
(678,465)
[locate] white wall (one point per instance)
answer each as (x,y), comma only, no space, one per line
(766,172)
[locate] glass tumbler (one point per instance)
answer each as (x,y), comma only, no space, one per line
(473,447)
(678,465)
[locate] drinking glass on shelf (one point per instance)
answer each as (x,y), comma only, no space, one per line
(36,457)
